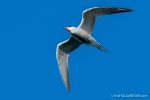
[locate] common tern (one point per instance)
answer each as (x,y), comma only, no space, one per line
(81,35)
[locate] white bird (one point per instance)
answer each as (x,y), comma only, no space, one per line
(80,35)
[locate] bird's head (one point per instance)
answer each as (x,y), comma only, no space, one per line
(69,28)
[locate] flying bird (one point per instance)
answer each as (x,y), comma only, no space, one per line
(81,35)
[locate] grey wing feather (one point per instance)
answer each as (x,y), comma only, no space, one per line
(62,53)
(89,16)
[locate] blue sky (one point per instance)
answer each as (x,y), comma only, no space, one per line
(31,29)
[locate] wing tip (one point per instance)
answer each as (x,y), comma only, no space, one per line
(67,87)
(125,9)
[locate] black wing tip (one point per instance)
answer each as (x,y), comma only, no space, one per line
(67,85)
(68,88)
(129,10)
(125,10)
(120,8)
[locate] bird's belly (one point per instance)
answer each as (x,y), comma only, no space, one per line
(79,38)
(82,37)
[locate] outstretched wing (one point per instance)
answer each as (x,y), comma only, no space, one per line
(89,16)
(62,53)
